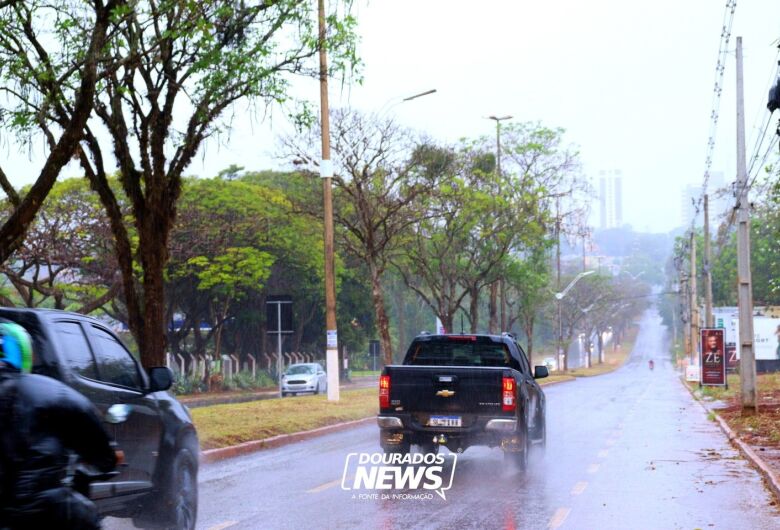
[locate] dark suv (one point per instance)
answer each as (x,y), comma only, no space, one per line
(157,485)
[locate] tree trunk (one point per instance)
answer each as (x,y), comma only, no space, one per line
(447,322)
(493,309)
(474,308)
(153,251)
(601,346)
(529,333)
(504,315)
(399,302)
(14,229)
(382,322)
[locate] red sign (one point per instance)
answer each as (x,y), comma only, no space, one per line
(713,357)
(732,363)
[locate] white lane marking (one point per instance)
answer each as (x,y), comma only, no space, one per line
(611,442)
(222,526)
(603,453)
(593,468)
(579,487)
(558,518)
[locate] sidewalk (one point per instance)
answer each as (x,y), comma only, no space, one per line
(756,437)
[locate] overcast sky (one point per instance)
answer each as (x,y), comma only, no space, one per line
(630,81)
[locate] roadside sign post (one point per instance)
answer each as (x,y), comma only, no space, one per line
(279,322)
(713,357)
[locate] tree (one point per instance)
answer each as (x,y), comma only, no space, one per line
(50,91)
(66,261)
(252,230)
(174,69)
(528,281)
(378,191)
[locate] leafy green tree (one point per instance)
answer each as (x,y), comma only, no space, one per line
(48,90)
(528,290)
(66,261)
(227,278)
(218,216)
(379,189)
(172,71)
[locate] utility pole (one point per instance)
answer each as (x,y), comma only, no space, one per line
(707,272)
(326,172)
(562,356)
(694,304)
(747,361)
(498,286)
(685,315)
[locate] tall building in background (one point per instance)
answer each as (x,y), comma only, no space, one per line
(611,198)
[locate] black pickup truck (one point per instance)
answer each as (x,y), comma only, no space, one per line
(459,391)
(157,484)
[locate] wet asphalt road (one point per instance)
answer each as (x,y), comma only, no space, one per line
(627,450)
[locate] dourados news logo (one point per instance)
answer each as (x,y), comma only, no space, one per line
(377,472)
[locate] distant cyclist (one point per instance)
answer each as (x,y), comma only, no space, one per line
(42,423)
(651,364)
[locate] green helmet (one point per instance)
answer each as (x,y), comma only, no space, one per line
(15,346)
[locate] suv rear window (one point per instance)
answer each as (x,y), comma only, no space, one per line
(464,350)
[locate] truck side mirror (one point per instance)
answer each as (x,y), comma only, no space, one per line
(540,372)
(160,378)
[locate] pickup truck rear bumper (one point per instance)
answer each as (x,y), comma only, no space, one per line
(398,429)
(498,424)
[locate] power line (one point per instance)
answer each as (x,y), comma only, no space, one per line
(720,68)
(755,167)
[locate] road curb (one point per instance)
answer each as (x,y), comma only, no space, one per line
(769,475)
(551,383)
(222,453)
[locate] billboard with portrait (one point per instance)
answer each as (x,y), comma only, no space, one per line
(713,357)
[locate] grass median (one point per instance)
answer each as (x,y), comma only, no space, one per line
(225,425)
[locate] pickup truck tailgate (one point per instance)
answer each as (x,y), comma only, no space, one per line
(446,389)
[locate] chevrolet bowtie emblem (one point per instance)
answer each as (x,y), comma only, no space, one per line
(445,393)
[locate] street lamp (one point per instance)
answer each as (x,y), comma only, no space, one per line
(498,121)
(559,296)
(392,102)
(498,140)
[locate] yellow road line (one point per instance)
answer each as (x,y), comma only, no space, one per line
(579,487)
(222,526)
(558,518)
(325,486)
(593,468)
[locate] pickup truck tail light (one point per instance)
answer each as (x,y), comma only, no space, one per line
(507,394)
(384,392)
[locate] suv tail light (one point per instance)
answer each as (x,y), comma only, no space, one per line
(384,392)
(507,395)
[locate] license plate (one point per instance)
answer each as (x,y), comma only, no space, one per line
(444,421)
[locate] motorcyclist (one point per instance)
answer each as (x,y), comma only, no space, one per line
(42,423)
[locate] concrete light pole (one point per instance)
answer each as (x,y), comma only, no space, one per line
(747,358)
(499,285)
(326,172)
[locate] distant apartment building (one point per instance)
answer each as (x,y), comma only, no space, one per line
(610,199)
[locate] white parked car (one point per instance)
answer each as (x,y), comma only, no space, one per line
(551,363)
(304,377)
